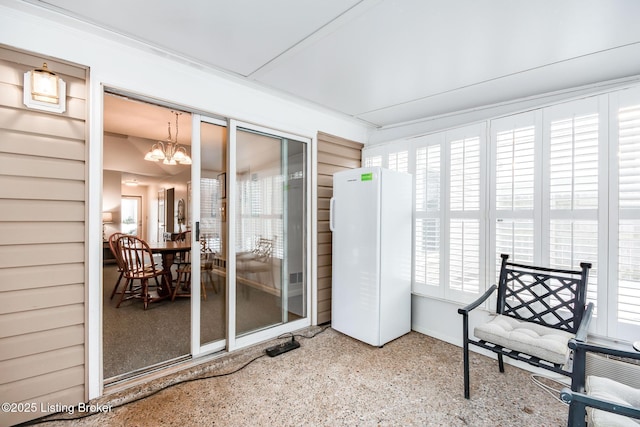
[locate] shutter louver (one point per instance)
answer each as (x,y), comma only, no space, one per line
(464,255)
(573,187)
(399,161)
(574,163)
(628,310)
(427,225)
(515,169)
(464,185)
(464,199)
(629,271)
(373,161)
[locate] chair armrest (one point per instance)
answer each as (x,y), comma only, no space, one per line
(569,396)
(621,350)
(583,328)
(465,310)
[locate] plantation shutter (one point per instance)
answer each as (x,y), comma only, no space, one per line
(466,259)
(399,161)
(514,188)
(428,212)
(627,309)
(572,192)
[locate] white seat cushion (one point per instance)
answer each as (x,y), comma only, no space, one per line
(536,340)
(608,389)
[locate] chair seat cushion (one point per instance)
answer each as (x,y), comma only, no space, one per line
(531,338)
(608,389)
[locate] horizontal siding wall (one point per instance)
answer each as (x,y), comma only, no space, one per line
(334,154)
(42,249)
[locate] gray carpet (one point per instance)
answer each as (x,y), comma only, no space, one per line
(334,380)
(134,338)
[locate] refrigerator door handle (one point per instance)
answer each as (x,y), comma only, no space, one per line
(331,204)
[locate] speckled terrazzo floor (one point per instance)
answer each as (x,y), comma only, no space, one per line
(334,380)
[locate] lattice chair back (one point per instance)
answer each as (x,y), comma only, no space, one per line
(550,297)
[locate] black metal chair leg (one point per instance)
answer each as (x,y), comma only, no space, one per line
(500,362)
(465,353)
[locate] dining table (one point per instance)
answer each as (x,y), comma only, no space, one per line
(168,250)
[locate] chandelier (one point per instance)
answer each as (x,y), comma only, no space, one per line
(170,152)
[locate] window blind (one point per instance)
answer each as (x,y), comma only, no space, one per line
(427,224)
(399,161)
(464,215)
(573,195)
(628,307)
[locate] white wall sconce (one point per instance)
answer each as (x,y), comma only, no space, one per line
(45,90)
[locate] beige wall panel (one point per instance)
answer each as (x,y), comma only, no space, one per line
(326,192)
(70,396)
(39,364)
(32,121)
(20,233)
(18,165)
(323,227)
(39,210)
(323,204)
(332,159)
(35,299)
(341,150)
(324,317)
(42,252)
(334,154)
(36,386)
(324,238)
(40,276)
(325,181)
(27,188)
(325,293)
(40,342)
(31,255)
(324,249)
(324,271)
(18,62)
(324,260)
(323,215)
(329,169)
(42,145)
(328,138)
(27,322)
(13,96)
(324,283)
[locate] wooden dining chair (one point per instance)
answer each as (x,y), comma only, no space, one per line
(139,266)
(115,250)
(183,282)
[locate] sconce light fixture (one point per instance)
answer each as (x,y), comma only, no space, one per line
(44,90)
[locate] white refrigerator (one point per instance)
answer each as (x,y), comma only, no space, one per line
(370,217)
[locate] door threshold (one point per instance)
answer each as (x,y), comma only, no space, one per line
(155,372)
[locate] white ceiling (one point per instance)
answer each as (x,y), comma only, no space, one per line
(389,62)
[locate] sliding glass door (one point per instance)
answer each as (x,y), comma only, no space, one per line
(270,230)
(209,239)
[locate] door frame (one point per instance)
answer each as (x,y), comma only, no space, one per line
(94,372)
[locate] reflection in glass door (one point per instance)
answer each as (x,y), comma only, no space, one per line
(213,232)
(270,215)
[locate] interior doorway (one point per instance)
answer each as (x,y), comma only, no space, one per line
(140,195)
(131,215)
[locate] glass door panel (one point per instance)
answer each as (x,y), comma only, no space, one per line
(270,230)
(213,232)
